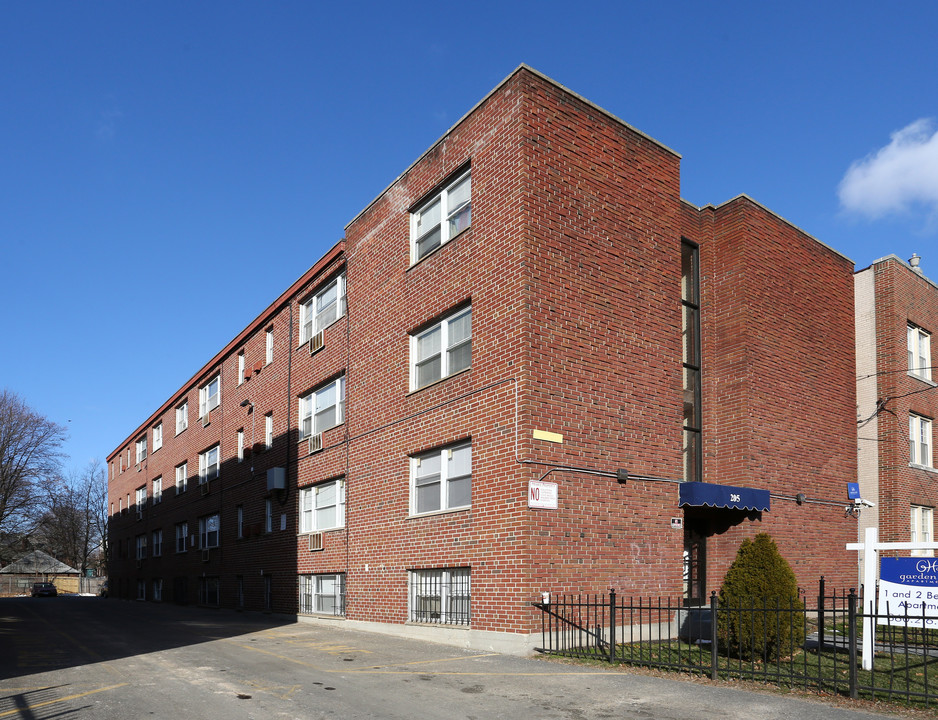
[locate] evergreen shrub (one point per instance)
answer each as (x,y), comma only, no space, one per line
(760,613)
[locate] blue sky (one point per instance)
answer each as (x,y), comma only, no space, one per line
(167,168)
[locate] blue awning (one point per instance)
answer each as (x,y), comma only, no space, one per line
(696,494)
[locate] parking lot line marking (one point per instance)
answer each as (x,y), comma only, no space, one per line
(423,662)
(17,711)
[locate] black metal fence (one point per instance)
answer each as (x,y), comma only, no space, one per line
(814,644)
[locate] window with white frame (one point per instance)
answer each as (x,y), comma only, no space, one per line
(157,543)
(240,522)
(141,498)
(240,367)
(141,547)
(269,347)
(441,218)
(157,490)
(441,350)
(268,516)
(240,445)
(322,309)
(441,479)
(208,531)
(182,478)
(919,345)
(922,528)
(182,417)
(157,436)
(141,449)
(182,537)
(920,440)
(269,430)
(208,465)
(141,589)
(322,594)
(322,506)
(439,596)
(157,590)
(323,408)
(209,395)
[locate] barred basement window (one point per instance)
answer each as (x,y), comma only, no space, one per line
(323,594)
(439,596)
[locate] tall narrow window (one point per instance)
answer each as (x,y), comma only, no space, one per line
(269,356)
(919,344)
(240,367)
(922,528)
(920,441)
(690,332)
(269,430)
(240,445)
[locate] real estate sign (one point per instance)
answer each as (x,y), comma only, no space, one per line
(908,591)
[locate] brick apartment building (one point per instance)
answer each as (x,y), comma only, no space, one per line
(528,316)
(897,399)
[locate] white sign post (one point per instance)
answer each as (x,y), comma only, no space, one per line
(870,548)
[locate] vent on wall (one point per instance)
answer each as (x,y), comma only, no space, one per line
(315,541)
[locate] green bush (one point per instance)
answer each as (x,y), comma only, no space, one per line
(760,614)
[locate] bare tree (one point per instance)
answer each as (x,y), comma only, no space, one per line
(74,525)
(30,460)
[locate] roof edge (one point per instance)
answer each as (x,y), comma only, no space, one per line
(904,263)
(334,252)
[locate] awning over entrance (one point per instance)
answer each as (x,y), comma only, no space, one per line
(695,494)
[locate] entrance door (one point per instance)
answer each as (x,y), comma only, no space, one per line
(695,565)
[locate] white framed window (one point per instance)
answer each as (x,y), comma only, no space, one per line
(209,395)
(269,430)
(122,462)
(240,445)
(141,503)
(920,441)
(441,218)
(322,594)
(208,465)
(269,347)
(141,547)
(182,478)
(322,309)
(157,436)
(157,490)
(439,596)
(322,506)
(919,345)
(240,522)
(157,590)
(323,408)
(268,516)
(208,531)
(922,528)
(141,449)
(182,417)
(441,479)
(441,350)
(240,367)
(182,537)
(157,543)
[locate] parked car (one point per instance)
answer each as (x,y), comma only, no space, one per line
(44,589)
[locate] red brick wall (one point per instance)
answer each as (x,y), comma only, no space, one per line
(778,403)
(902,296)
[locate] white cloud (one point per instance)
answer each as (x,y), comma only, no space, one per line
(897,178)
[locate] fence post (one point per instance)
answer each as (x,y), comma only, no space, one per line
(612,626)
(820,617)
(852,640)
(714,606)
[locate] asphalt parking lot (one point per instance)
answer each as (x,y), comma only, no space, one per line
(80,657)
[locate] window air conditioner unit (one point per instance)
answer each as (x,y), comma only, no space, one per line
(316,343)
(276,479)
(315,443)
(204,419)
(206,555)
(315,541)
(205,488)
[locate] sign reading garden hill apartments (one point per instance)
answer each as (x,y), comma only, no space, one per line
(908,586)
